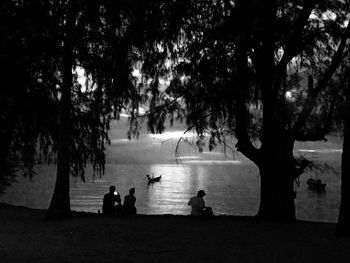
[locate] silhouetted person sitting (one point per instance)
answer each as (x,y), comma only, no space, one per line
(109,202)
(129,203)
(198,205)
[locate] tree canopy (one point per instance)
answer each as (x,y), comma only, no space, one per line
(265,71)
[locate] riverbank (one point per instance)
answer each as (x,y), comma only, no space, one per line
(26,237)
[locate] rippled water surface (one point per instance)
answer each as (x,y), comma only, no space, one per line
(231,182)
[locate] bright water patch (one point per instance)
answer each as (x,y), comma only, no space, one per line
(231,182)
(325,151)
(232,189)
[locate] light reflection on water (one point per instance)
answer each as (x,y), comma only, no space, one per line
(232,186)
(230,189)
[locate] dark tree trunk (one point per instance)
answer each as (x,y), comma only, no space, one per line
(344,210)
(276,164)
(275,158)
(277,194)
(60,202)
(277,174)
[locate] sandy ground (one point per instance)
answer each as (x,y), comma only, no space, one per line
(26,237)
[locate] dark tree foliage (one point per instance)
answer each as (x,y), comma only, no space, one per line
(261,70)
(265,69)
(102,38)
(46,114)
(27,99)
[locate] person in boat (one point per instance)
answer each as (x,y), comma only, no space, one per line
(129,207)
(111,202)
(153,179)
(197,204)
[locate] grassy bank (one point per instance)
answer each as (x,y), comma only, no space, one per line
(26,237)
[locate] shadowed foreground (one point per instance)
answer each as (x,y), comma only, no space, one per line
(26,237)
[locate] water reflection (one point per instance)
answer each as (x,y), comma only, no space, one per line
(180,182)
(171,194)
(232,189)
(230,181)
(210,162)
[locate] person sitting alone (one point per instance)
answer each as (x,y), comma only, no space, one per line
(111,202)
(198,205)
(129,203)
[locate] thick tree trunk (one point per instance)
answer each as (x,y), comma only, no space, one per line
(277,172)
(276,190)
(276,164)
(60,202)
(275,158)
(344,210)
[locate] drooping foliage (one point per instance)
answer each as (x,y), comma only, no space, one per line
(28,97)
(261,70)
(264,68)
(49,48)
(105,40)
(202,45)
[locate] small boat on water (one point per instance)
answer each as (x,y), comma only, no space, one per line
(153,179)
(316,184)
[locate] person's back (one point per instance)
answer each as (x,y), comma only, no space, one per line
(109,201)
(108,204)
(197,204)
(129,203)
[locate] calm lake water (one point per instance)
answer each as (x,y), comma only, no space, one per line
(230,181)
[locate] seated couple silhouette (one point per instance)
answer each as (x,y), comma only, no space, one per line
(112,204)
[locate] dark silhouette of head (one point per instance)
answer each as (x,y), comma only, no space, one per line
(148,176)
(132,191)
(201,193)
(112,189)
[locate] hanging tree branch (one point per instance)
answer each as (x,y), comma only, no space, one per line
(294,42)
(313,92)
